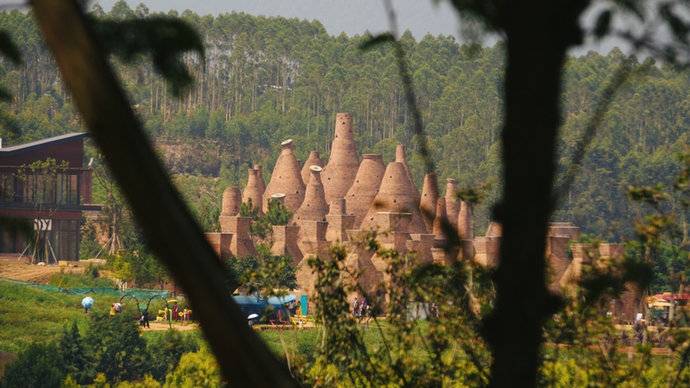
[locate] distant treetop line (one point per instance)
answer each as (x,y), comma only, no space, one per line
(268,79)
(349,16)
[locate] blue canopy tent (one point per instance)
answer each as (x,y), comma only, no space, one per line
(265,307)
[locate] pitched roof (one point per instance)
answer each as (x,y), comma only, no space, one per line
(56,139)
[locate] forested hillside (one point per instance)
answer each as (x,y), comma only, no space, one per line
(267,79)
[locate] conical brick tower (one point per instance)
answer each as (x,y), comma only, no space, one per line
(452,202)
(339,173)
(466,231)
(260,177)
(365,187)
(494,229)
(465,228)
(278,197)
(313,160)
(428,199)
(441,251)
(401,157)
(230,204)
(286,178)
(254,191)
(314,207)
(285,242)
(397,195)
(339,222)
(437,229)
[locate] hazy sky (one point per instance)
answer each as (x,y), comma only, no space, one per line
(350,16)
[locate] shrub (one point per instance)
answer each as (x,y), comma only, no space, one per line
(92,271)
(277,214)
(167,350)
(74,355)
(142,268)
(198,369)
(39,365)
(264,273)
(117,349)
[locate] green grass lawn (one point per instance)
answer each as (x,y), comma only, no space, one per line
(30,314)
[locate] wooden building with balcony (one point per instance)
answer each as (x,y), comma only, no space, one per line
(47,184)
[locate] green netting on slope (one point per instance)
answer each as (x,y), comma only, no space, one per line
(138,293)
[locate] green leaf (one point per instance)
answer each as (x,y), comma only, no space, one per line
(165,39)
(632,6)
(376,40)
(9,49)
(678,26)
(603,24)
(5,96)
(8,122)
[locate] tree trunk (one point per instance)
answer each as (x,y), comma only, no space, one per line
(167,223)
(538,36)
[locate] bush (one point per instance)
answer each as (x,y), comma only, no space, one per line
(142,268)
(117,349)
(92,271)
(197,369)
(112,352)
(74,355)
(167,350)
(39,366)
(264,273)
(261,226)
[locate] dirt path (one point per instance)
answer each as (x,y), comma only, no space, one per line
(14,269)
(162,326)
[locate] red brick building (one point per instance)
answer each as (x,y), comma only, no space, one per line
(53,201)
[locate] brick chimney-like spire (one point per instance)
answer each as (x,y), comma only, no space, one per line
(397,195)
(339,173)
(339,222)
(437,230)
(260,177)
(365,187)
(313,160)
(314,207)
(465,228)
(230,205)
(427,202)
(452,202)
(286,178)
(401,157)
(254,191)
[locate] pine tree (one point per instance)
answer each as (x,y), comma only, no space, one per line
(74,355)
